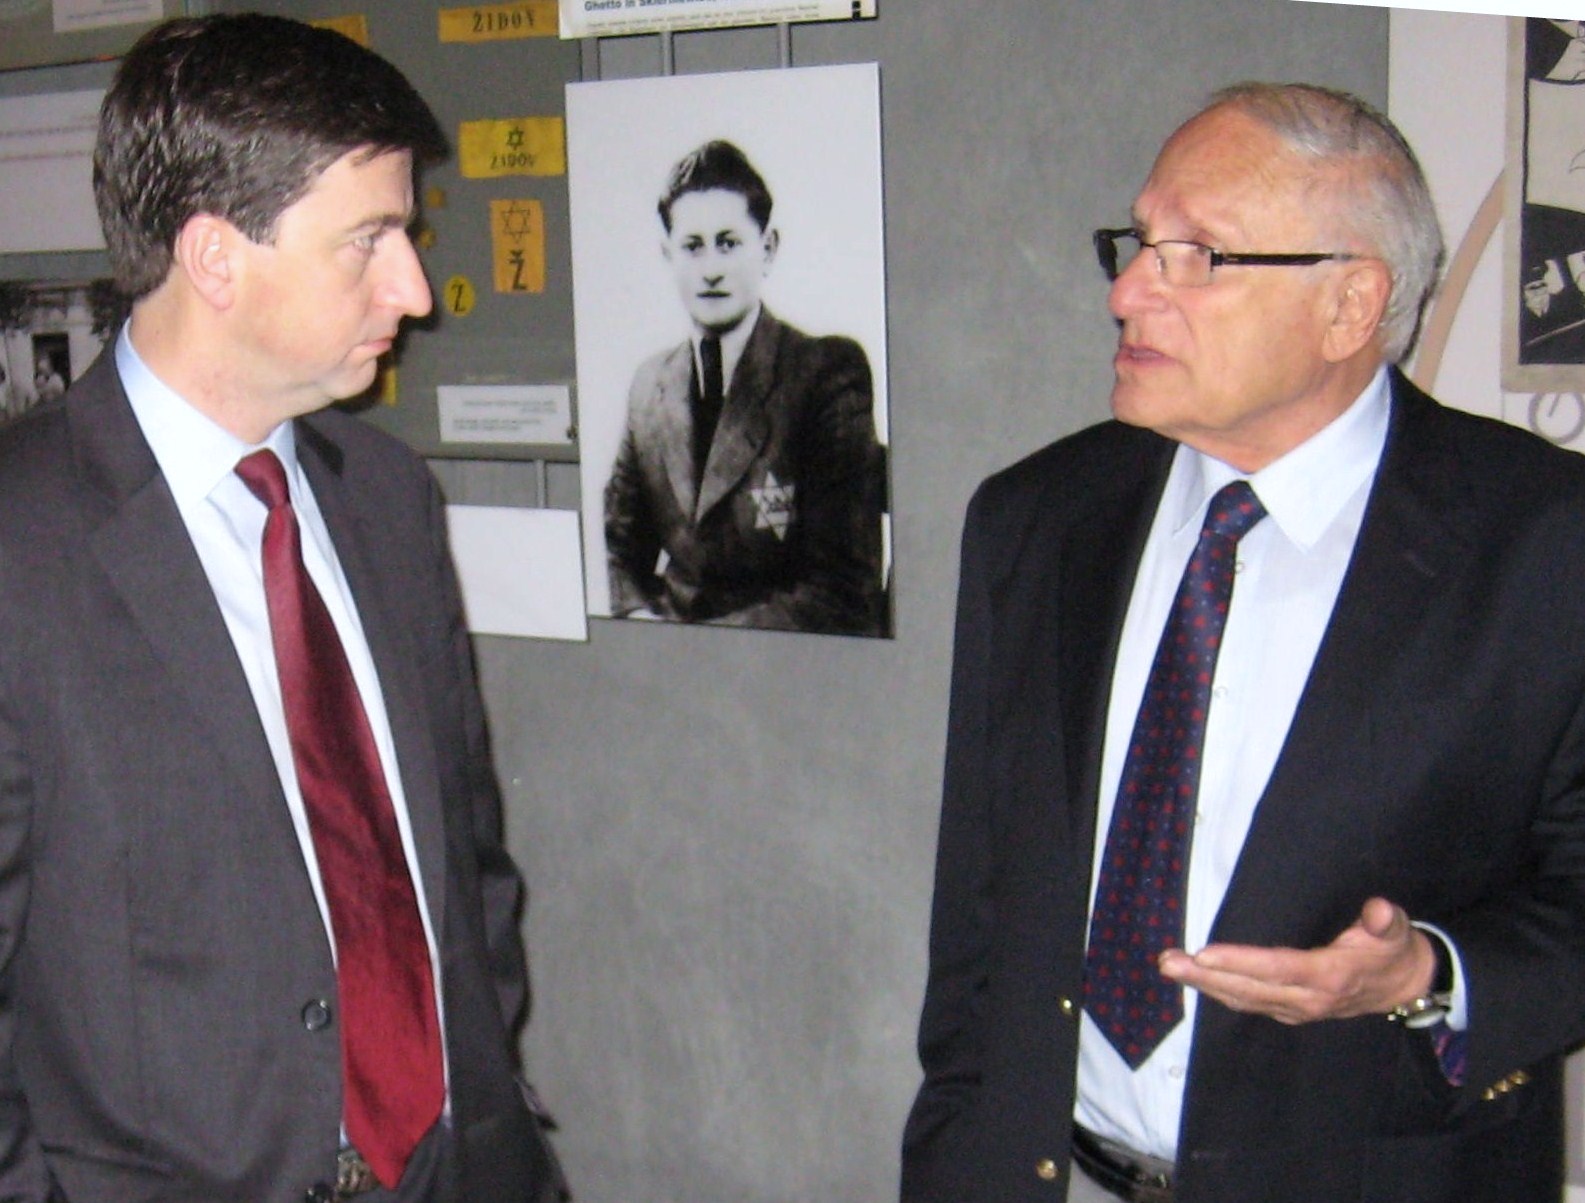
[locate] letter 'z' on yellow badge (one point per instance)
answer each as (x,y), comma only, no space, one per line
(517,237)
(459,297)
(512,146)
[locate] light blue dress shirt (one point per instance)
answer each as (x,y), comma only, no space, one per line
(225,521)
(1289,570)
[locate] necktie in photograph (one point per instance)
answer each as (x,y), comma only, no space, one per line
(1139,897)
(392,1070)
(707,413)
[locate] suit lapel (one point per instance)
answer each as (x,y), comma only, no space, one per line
(396,658)
(741,431)
(674,416)
(145,553)
(1102,558)
(147,556)
(1408,543)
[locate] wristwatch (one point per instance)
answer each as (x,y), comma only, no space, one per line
(1432,1007)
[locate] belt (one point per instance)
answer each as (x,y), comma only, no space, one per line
(353,1175)
(1132,1176)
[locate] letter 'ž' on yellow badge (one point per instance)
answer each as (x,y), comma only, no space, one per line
(517,238)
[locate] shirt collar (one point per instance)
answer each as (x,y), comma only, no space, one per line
(1306,489)
(194,452)
(732,344)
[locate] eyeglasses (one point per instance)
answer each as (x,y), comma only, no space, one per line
(1188,264)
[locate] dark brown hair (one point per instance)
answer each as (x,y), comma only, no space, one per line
(237,116)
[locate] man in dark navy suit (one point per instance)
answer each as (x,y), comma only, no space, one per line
(1355,970)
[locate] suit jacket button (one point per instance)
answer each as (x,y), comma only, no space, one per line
(316,1017)
(1069,1010)
(1046,1169)
(319,1192)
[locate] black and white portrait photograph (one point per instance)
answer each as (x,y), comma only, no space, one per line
(50,331)
(729,299)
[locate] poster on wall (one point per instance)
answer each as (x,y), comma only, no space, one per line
(609,18)
(1544,327)
(40,33)
(729,306)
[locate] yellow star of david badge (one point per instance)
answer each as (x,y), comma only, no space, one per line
(773,504)
(517,220)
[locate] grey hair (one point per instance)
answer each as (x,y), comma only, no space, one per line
(1389,205)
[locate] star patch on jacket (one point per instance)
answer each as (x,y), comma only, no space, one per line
(773,502)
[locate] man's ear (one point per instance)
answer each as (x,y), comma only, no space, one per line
(205,254)
(772,242)
(1358,302)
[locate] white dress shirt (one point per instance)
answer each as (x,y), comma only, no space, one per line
(732,342)
(1290,567)
(225,521)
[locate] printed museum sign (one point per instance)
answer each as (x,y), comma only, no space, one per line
(602,18)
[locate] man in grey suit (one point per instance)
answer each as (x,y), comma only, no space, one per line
(1355,967)
(187,1009)
(749,487)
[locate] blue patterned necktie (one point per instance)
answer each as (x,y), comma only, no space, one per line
(1139,899)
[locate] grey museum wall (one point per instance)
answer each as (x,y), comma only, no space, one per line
(729,835)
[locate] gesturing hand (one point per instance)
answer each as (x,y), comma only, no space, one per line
(1379,962)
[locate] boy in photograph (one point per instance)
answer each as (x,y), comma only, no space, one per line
(749,488)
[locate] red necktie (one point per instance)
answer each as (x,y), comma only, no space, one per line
(392,1073)
(1139,897)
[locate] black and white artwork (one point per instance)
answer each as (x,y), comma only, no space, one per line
(1545,341)
(729,302)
